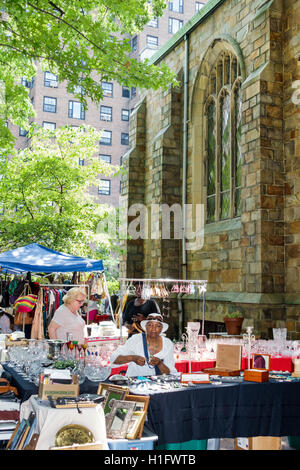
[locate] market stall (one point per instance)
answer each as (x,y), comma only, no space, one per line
(35,258)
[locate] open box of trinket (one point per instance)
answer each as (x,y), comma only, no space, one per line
(260,369)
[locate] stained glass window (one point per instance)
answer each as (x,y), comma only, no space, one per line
(237,151)
(223,143)
(225,157)
(211,162)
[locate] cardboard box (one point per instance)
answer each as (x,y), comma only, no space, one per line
(257,443)
(228,360)
(18,342)
(256,375)
(58,390)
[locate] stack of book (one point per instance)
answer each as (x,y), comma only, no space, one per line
(23,432)
(9,417)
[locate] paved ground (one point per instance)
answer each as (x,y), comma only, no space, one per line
(228,444)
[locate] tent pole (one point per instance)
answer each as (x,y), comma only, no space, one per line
(108,296)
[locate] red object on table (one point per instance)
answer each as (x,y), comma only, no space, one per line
(276,363)
(199,365)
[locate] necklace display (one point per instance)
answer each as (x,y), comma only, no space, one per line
(153,348)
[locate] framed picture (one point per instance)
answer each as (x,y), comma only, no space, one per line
(117,421)
(141,402)
(110,392)
(136,425)
(261,361)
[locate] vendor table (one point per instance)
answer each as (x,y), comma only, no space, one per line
(228,410)
(26,388)
(203,411)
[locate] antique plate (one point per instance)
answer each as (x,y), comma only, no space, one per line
(73,434)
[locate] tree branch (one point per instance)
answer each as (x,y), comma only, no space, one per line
(59,18)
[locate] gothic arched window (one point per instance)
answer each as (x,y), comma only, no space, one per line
(223,140)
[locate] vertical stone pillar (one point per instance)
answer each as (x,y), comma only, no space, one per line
(132,192)
(263,169)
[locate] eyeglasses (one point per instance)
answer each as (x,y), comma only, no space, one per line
(79,301)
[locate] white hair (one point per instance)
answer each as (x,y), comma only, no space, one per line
(73,293)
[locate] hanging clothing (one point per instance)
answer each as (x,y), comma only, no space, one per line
(37,330)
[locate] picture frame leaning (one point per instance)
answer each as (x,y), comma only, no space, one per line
(111,392)
(117,421)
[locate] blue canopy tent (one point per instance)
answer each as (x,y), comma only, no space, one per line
(36,258)
(39,259)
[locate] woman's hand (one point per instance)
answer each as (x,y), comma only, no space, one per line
(139,360)
(154,361)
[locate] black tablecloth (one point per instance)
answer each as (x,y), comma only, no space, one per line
(26,388)
(226,411)
(211,411)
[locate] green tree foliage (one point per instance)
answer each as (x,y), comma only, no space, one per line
(82,42)
(46,195)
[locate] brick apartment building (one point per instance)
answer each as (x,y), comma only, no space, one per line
(55,107)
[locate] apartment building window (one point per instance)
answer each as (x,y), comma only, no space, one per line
(134,43)
(153,23)
(49,104)
(133,91)
(176,5)
(124,138)
(78,90)
(125,114)
(152,40)
(50,80)
(174,25)
(51,126)
(199,5)
(104,187)
(125,92)
(76,110)
(105,113)
(106,138)
(26,83)
(81,161)
(106,158)
(108,89)
(22,132)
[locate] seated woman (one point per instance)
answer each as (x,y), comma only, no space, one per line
(147,353)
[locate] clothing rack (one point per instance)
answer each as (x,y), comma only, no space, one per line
(202,283)
(88,286)
(68,285)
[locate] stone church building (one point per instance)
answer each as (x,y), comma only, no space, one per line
(225,139)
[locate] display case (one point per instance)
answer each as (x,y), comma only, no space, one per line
(228,360)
